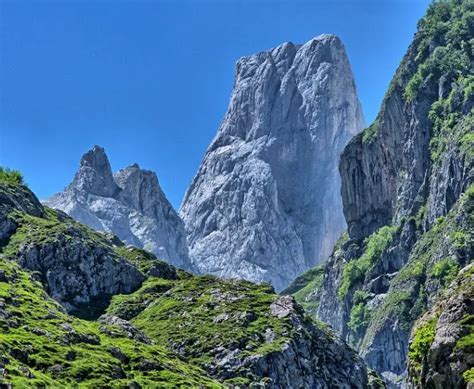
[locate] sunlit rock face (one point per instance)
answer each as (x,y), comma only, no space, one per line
(265,204)
(129,204)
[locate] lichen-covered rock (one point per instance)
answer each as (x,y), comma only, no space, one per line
(264,205)
(129,203)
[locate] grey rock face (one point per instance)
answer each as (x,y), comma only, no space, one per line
(129,204)
(76,273)
(265,202)
(411,174)
(298,364)
(445,362)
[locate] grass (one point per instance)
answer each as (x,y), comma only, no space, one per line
(306,289)
(355,270)
(62,351)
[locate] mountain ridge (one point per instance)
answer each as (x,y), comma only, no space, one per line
(408,201)
(129,203)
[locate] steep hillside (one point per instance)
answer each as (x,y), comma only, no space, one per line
(264,205)
(80,307)
(408,197)
(441,350)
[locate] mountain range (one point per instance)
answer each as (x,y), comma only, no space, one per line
(367,235)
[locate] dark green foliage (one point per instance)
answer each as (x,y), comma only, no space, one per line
(360,313)
(428,263)
(448,27)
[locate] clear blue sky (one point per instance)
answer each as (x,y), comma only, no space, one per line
(150,80)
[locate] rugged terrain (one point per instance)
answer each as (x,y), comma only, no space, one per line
(79,307)
(265,204)
(408,198)
(129,204)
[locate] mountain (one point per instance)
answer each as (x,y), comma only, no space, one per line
(129,204)
(78,307)
(408,198)
(265,204)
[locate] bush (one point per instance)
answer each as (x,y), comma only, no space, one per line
(423,337)
(356,269)
(445,270)
(360,314)
(10,176)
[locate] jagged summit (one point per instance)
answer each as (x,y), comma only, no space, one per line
(265,202)
(129,203)
(95,174)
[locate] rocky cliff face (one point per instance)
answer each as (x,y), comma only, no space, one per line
(264,204)
(407,196)
(129,204)
(441,344)
(159,326)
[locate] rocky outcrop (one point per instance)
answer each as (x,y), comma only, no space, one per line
(407,197)
(129,204)
(264,204)
(164,327)
(77,268)
(242,334)
(441,344)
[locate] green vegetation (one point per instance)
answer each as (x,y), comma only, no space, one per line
(449,25)
(467,341)
(10,176)
(46,347)
(52,227)
(430,259)
(368,135)
(468,375)
(374,246)
(360,313)
(306,289)
(187,322)
(423,337)
(200,314)
(445,270)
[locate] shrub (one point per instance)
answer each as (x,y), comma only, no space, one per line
(355,270)
(445,270)
(423,337)
(10,176)
(360,314)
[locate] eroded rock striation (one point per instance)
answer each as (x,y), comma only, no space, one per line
(129,204)
(265,203)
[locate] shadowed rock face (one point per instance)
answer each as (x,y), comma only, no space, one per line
(265,202)
(130,204)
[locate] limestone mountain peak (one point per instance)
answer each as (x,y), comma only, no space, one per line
(129,203)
